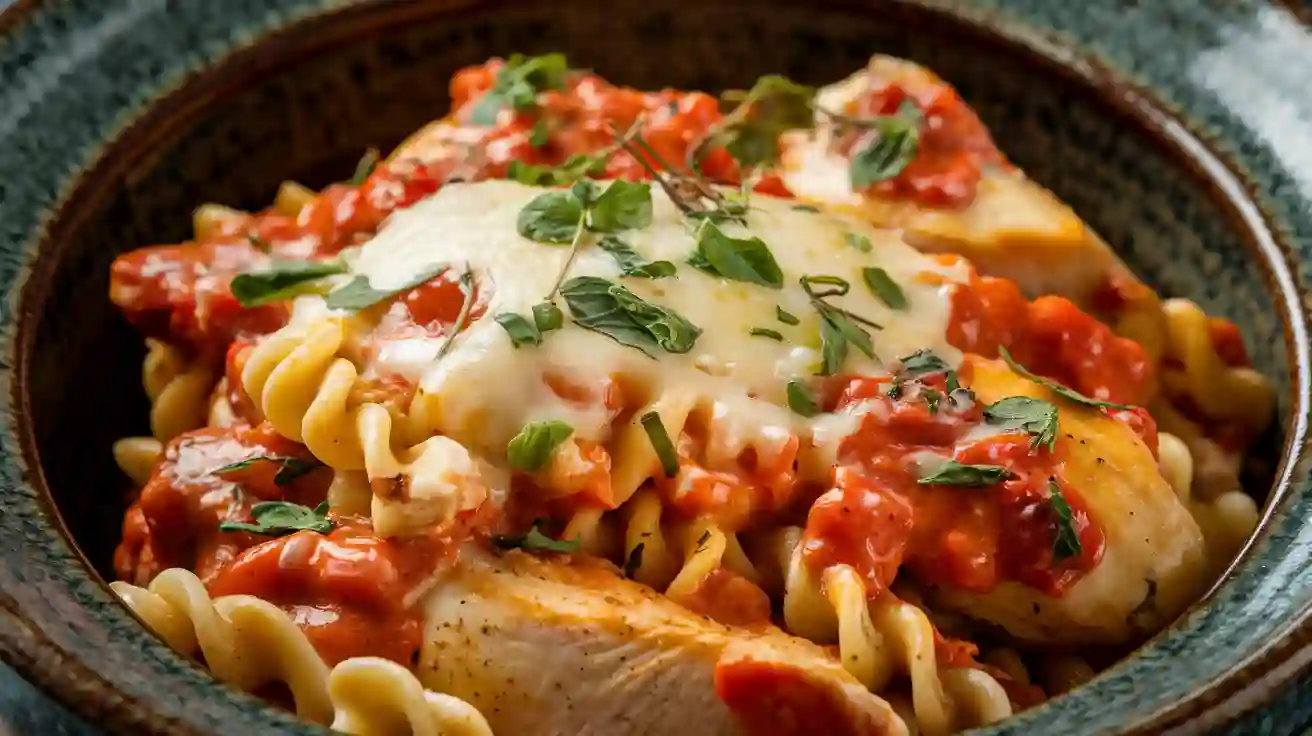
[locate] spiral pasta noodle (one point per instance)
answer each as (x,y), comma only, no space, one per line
(248,642)
(1227,519)
(879,640)
(178,389)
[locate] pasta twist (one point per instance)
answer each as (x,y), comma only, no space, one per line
(303,388)
(137,457)
(675,556)
(249,642)
(1220,392)
(373,696)
(879,640)
(1057,673)
(179,391)
(1226,519)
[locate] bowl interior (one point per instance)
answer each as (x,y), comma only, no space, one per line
(305,104)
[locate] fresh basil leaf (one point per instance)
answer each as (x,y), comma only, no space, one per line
(289,469)
(739,259)
(282,280)
(766,332)
(842,323)
(632,263)
(277,518)
(521,331)
(1066,543)
(800,400)
(1057,388)
(833,346)
(634,561)
(1036,416)
(357,293)
(540,135)
(547,317)
(786,317)
(518,83)
(532,447)
(612,310)
(552,217)
(660,443)
(858,241)
(536,541)
(624,205)
(884,287)
(368,162)
(774,105)
(921,363)
(953,473)
(892,149)
(585,191)
(575,167)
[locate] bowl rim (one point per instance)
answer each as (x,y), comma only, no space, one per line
(1220,701)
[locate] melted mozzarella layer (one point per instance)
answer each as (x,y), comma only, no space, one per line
(485,390)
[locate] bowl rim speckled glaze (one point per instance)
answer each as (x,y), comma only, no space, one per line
(59,624)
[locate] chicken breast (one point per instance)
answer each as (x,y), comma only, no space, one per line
(1013,228)
(1153,564)
(568,647)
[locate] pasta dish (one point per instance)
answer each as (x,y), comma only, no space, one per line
(596,410)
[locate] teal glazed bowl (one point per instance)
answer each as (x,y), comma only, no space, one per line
(1180,129)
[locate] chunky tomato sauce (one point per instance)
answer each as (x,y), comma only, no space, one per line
(878,517)
(347,589)
(954,147)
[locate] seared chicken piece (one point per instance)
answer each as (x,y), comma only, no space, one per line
(1012,228)
(569,647)
(1153,564)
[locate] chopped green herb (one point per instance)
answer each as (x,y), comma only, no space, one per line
(786,317)
(532,447)
(932,398)
(536,541)
(766,332)
(660,443)
(806,208)
(290,468)
(884,287)
(800,400)
(278,518)
(632,263)
(521,331)
(893,148)
(575,167)
(547,317)
(922,362)
(282,280)
(953,473)
(858,241)
(552,217)
(258,243)
(518,83)
(1066,543)
(750,132)
(540,134)
(633,562)
(1036,416)
(612,310)
(466,285)
(839,328)
(623,205)
(357,293)
(702,540)
(368,162)
(738,259)
(1057,388)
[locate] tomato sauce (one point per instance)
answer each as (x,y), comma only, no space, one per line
(954,147)
(174,521)
(346,589)
(878,517)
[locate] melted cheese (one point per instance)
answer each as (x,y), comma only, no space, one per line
(485,390)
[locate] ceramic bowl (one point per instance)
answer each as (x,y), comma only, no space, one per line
(1179,128)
